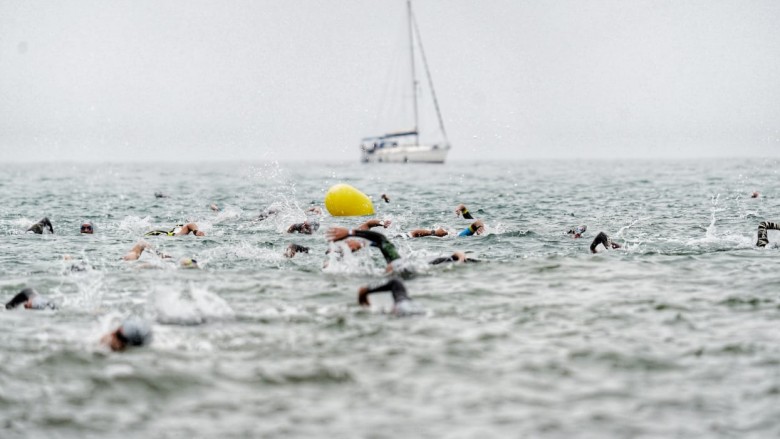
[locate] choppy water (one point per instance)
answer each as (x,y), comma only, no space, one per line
(675,336)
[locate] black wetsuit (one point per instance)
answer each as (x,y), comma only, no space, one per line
(603,239)
(395,286)
(40,226)
(452,258)
(381,242)
(763,239)
(171,232)
(20,298)
(467,214)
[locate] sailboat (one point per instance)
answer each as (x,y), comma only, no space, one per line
(405,146)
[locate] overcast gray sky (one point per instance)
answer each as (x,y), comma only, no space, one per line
(288,80)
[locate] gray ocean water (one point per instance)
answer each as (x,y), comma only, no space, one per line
(676,335)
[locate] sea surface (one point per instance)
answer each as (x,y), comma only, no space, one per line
(675,335)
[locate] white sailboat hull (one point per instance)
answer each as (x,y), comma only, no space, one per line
(407,154)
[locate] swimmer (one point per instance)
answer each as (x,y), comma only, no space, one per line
(40,226)
(292,249)
(188,263)
(578,231)
(307,227)
(160,195)
(755,194)
(457,257)
(378,240)
(268,213)
(87,228)
(314,210)
(31,300)
(461,210)
(356,244)
(385,198)
(477,227)
(419,233)
(402,303)
(604,240)
(133,331)
(214,208)
(136,251)
(179,230)
(763,237)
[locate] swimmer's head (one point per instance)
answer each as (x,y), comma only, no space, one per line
(581,229)
(188,263)
(755,194)
(134,331)
(87,227)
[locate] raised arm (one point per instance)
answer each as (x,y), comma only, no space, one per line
(190,227)
(136,251)
(604,240)
(461,210)
(394,285)
(339,233)
(368,225)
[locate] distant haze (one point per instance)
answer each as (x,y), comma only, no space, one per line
(291,80)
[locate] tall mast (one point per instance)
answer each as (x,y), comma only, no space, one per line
(430,81)
(414,75)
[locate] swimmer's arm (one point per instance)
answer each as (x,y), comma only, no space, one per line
(604,240)
(461,210)
(339,233)
(373,223)
(418,233)
(295,228)
(187,228)
(394,285)
(136,251)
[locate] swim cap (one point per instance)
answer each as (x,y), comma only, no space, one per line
(135,331)
(582,229)
(188,263)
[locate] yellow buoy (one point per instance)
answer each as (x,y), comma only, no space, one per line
(344,200)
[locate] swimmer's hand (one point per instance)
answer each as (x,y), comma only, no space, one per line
(363,296)
(440,232)
(386,223)
(337,233)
